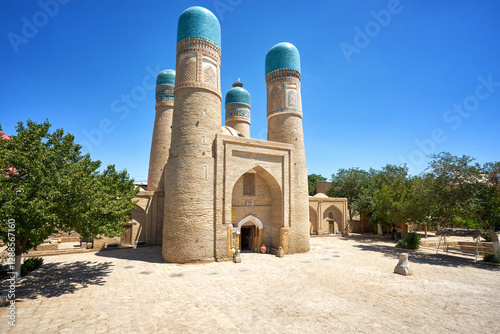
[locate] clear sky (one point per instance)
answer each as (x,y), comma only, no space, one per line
(382,81)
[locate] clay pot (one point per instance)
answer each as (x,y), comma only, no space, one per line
(263,249)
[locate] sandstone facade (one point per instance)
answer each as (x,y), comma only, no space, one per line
(327,215)
(217,190)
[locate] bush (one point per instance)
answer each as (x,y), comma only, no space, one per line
(489,257)
(31,264)
(486,237)
(399,244)
(412,240)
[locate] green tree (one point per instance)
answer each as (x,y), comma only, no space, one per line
(349,183)
(399,197)
(423,197)
(467,188)
(373,181)
(391,194)
(47,185)
(312,178)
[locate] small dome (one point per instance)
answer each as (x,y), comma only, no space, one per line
(282,55)
(238,94)
(320,195)
(198,22)
(229,131)
(166,77)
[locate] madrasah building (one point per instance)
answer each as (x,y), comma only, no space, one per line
(212,188)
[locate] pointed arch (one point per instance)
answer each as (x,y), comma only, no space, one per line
(247,219)
(266,203)
(333,215)
(267,176)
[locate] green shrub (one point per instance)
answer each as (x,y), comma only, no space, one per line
(490,257)
(399,244)
(412,240)
(486,237)
(31,264)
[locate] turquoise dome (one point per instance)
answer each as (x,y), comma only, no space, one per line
(166,77)
(198,22)
(282,55)
(239,95)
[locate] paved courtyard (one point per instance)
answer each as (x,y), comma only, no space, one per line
(344,286)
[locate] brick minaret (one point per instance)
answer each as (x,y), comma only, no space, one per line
(188,231)
(284,116)
(238,109)
(162,130)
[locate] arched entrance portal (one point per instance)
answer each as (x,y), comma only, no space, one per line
(256,193)
(250,231)
(332,220)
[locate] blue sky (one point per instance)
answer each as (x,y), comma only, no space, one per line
(382,81)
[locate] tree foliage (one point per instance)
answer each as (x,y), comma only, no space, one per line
(468,190)
(400,197)
(54,187)
(455,192)
(349,183)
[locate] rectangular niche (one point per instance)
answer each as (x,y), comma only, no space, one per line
(249,184)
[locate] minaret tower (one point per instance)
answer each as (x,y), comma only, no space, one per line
(284,116)
(162,130)
(188,229)
(238,109)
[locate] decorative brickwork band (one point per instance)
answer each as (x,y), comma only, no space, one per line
(282,72)
(283,92)
(198,65)
(164,96)
(237,112)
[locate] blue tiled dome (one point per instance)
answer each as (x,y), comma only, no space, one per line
(198,22)
(282,55)
(166,77)
(238,94)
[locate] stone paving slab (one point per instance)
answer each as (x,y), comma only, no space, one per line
(341,286)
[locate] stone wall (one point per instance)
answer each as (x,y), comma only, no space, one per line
(355,226)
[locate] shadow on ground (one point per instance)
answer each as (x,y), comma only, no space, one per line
(439,259)
(150,254)
(57,279)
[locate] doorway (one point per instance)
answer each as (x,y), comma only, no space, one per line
(248,238)
(250,232)
(331,227)
(126,238)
